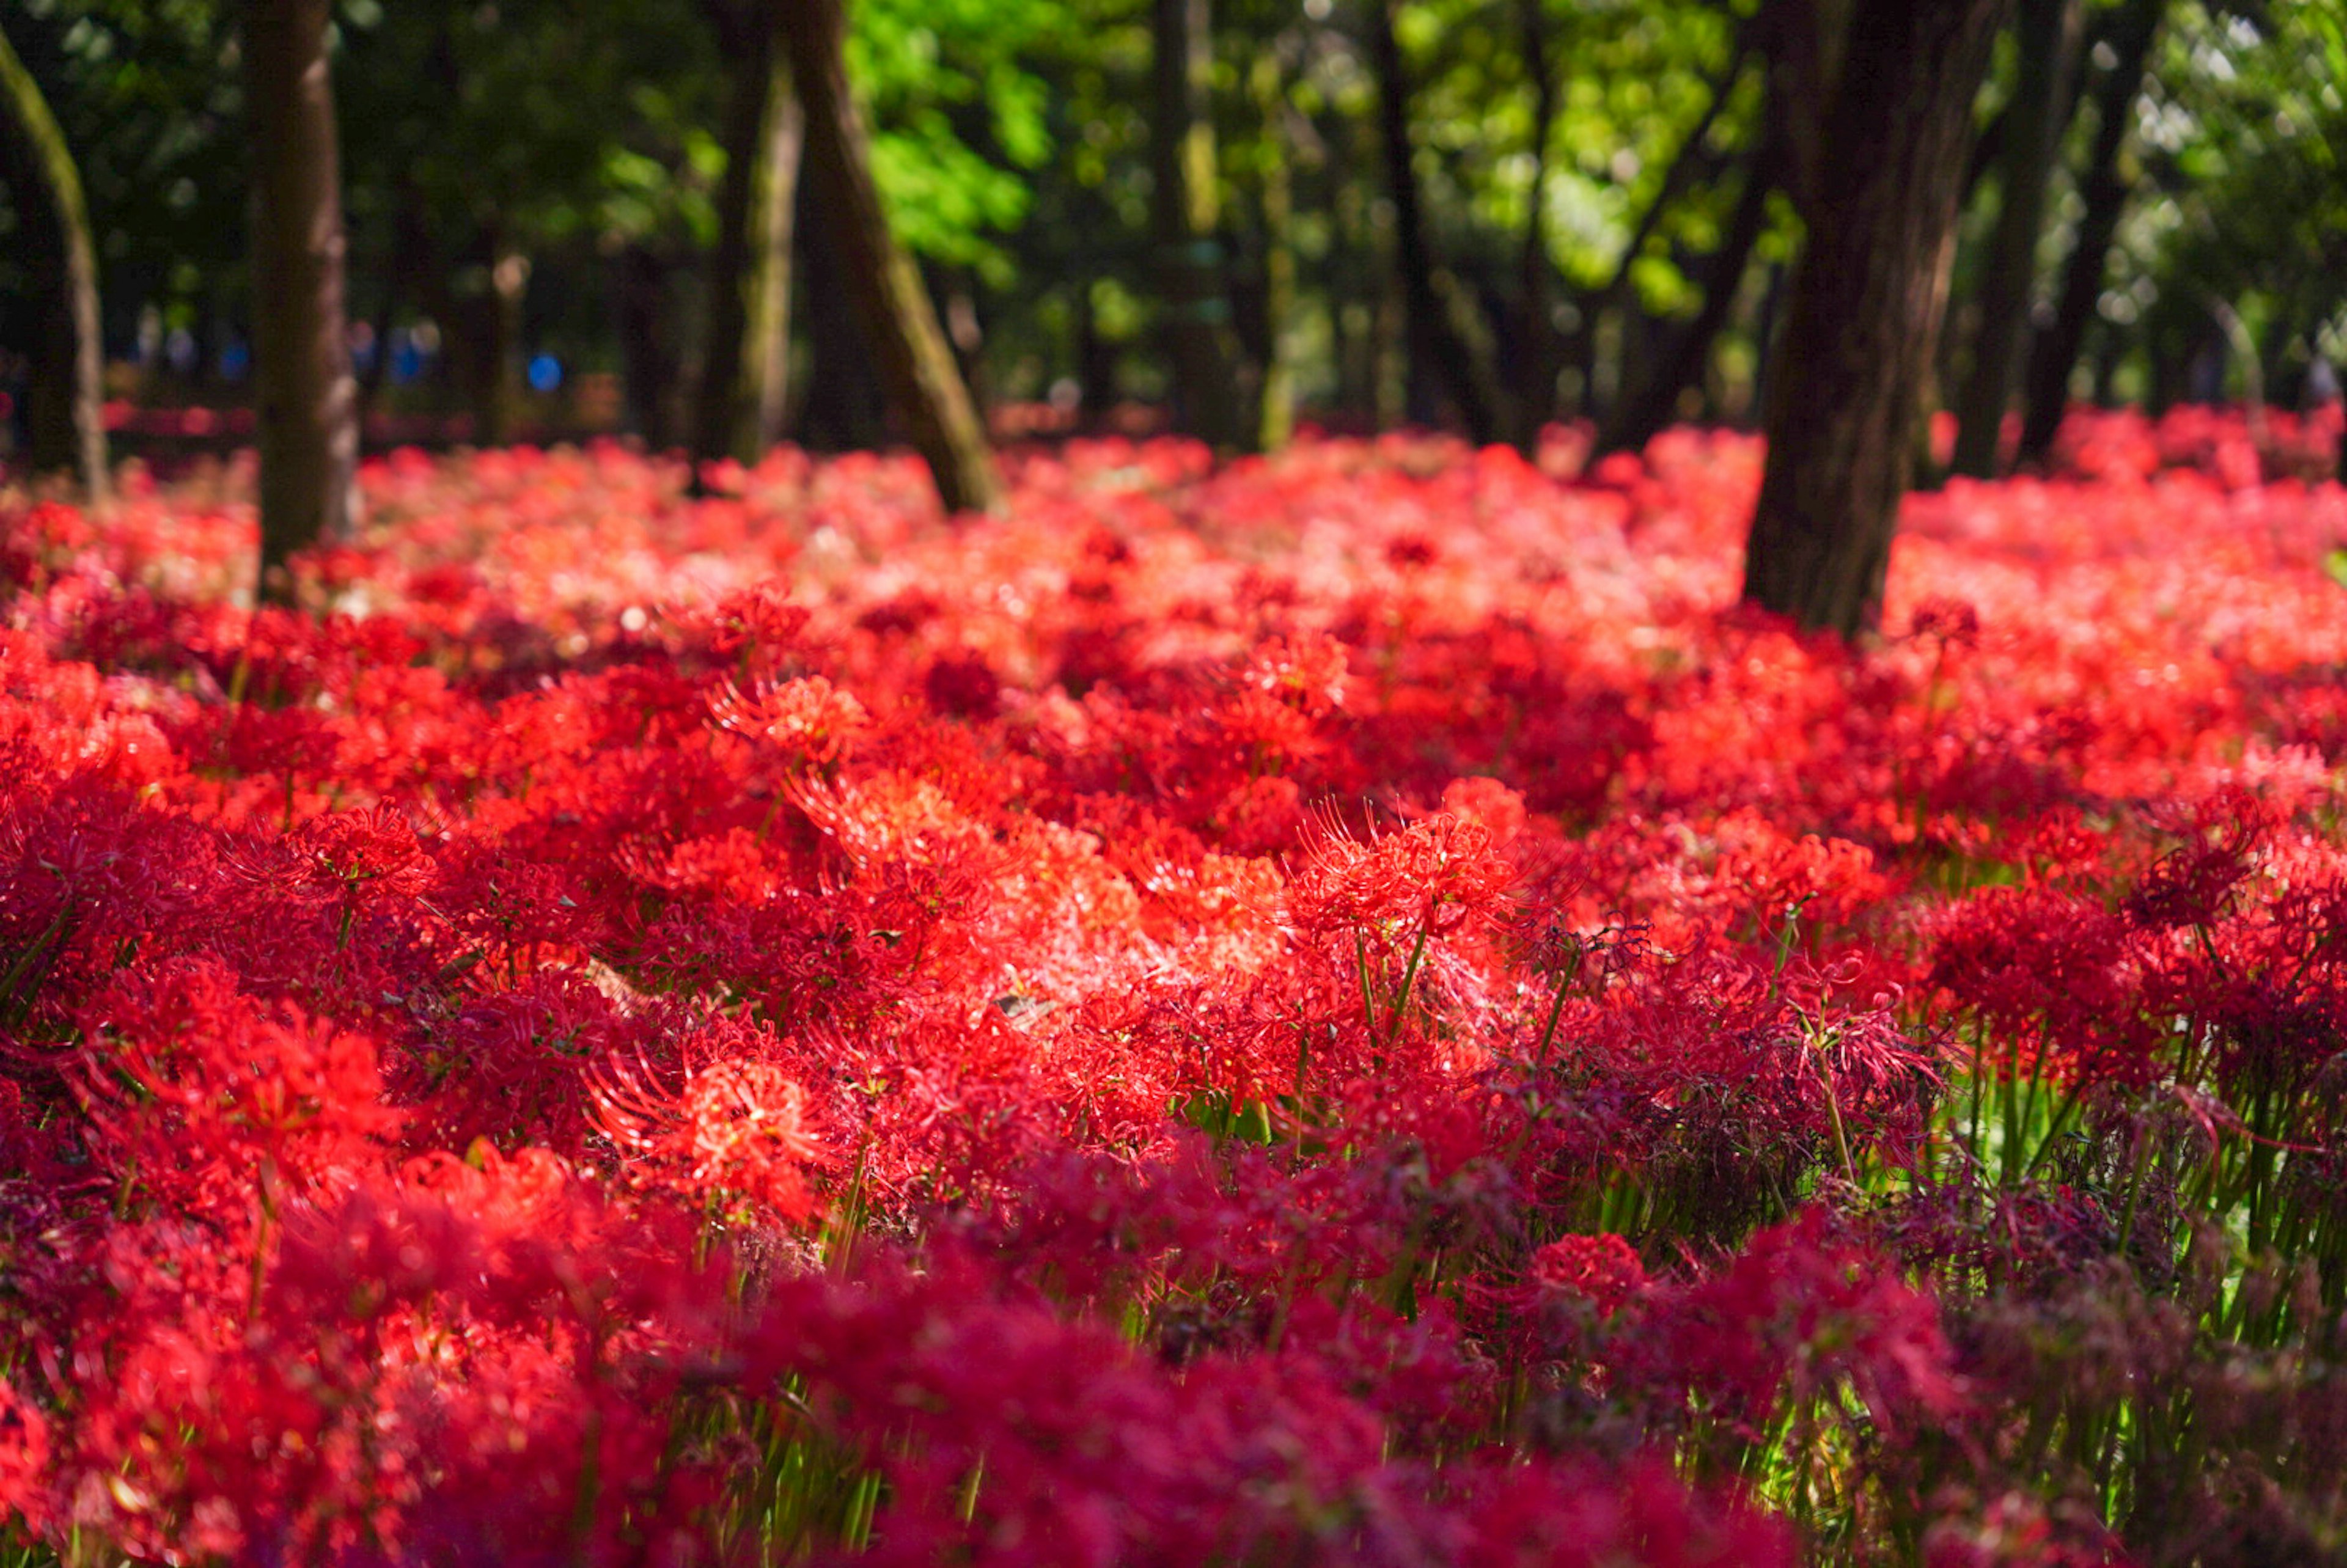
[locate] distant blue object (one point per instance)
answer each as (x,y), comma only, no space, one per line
(407,359)
(545,373)
(235,360)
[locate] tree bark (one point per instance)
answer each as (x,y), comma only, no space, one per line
(1689,349)
(2047,31)
(77,375)
(308,414)
(2103,195)
(1535,352)
(1199,346)
(738,410)
(1879,122)
(1437,353)
(769,346)
(883,286)
(648,360)
(1275,401)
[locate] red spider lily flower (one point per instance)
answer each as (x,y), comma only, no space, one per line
(1433,875)
(24,1459)
(737,1129)
(1604,1270)
(809,717)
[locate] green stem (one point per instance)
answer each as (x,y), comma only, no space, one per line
(1409,978)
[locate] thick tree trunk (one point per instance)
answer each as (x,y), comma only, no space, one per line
(735,413)
(309,436)
(844,408)
(1688,349)
(882,283)
(74,367)
(1439,355)
(2048,33)
(1868,295)
(1199,347)
(2103,195)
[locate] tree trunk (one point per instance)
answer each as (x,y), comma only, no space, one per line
(1535,352)
(648,367)
(1187,212)
(1682,359)
(1690,165)
(1439,355)
(842,408)
(882,283)
(309,436)
(734,414)
(79,373)
(2103,195)
(2047,31)
(1095,361)
(1275,401)
(769,346)
(1868,295)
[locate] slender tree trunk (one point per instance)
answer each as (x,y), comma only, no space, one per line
(1439,355)
(769,348)
(749,271)
(1095,361)
(1535,345)
(1275,402)
(882,283)
(647,361)
(485,351)
(1869,294)
(1352,280)
(2103,195)
(1199,346)
(1690,165)
(309,436)
(1688,351)
(45,160)
(2047,31)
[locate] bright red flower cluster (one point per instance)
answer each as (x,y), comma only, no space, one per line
(1345,1008)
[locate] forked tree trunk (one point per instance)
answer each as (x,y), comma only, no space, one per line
(1198,333)
(882,283)
(1689,349)
(309,434)
(1878,159)
(45,160)
(2048,33)
(2103,195)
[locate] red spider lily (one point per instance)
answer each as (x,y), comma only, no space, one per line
(737,1129)
(393,1006)
(1604,1270)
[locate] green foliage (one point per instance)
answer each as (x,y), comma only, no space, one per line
(959,119)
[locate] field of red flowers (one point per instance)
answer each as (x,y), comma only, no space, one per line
(1342,1009)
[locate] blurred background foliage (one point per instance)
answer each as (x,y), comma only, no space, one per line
(529,182)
